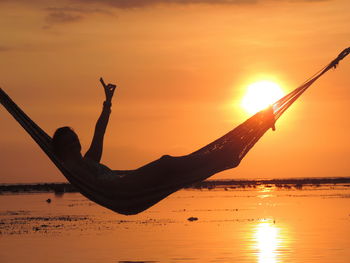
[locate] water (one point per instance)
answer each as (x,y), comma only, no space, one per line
(264,225)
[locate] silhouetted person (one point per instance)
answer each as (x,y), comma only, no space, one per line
(166,170)
(132,191)
(66,143)
(161,177)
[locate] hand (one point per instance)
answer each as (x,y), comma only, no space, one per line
(109,89)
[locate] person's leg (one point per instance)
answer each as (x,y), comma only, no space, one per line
(182,170)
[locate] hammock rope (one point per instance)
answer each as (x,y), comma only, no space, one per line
(134,191)
(284,103)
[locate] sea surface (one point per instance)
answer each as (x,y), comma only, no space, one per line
(264,224)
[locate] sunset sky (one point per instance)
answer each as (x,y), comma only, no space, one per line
(182,69)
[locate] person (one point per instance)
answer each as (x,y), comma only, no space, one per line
(165,170)
(132,191)
(66,144)
(164,175)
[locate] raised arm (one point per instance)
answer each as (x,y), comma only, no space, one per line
(96,147)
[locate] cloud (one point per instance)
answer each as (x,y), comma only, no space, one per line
(64,15)
(124,4)
(82,8)
(57,17)
(128,4)
(72,11)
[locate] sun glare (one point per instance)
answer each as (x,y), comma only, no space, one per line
(260,95)
(267,238)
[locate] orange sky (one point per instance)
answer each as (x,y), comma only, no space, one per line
(182,70)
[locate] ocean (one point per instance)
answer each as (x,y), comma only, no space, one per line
(261,223)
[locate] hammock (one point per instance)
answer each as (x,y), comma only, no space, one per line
(134,191)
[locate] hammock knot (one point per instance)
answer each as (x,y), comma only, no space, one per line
(342,55)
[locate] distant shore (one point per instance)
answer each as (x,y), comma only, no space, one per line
(297,183)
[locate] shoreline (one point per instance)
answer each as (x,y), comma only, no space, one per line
(297,183)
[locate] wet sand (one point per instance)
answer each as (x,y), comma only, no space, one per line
(261,224)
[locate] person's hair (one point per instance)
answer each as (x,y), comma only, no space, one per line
(58,145)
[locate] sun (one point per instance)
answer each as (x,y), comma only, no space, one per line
(260,95)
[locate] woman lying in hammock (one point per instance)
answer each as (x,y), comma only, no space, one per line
(133,191)
(166,174)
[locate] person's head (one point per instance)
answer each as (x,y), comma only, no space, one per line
(65,143)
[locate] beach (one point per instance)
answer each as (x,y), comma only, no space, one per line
(261,224)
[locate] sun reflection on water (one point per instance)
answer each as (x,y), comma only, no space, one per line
(266,191)
(267,242)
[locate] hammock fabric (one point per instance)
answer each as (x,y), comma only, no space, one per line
(134,191)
